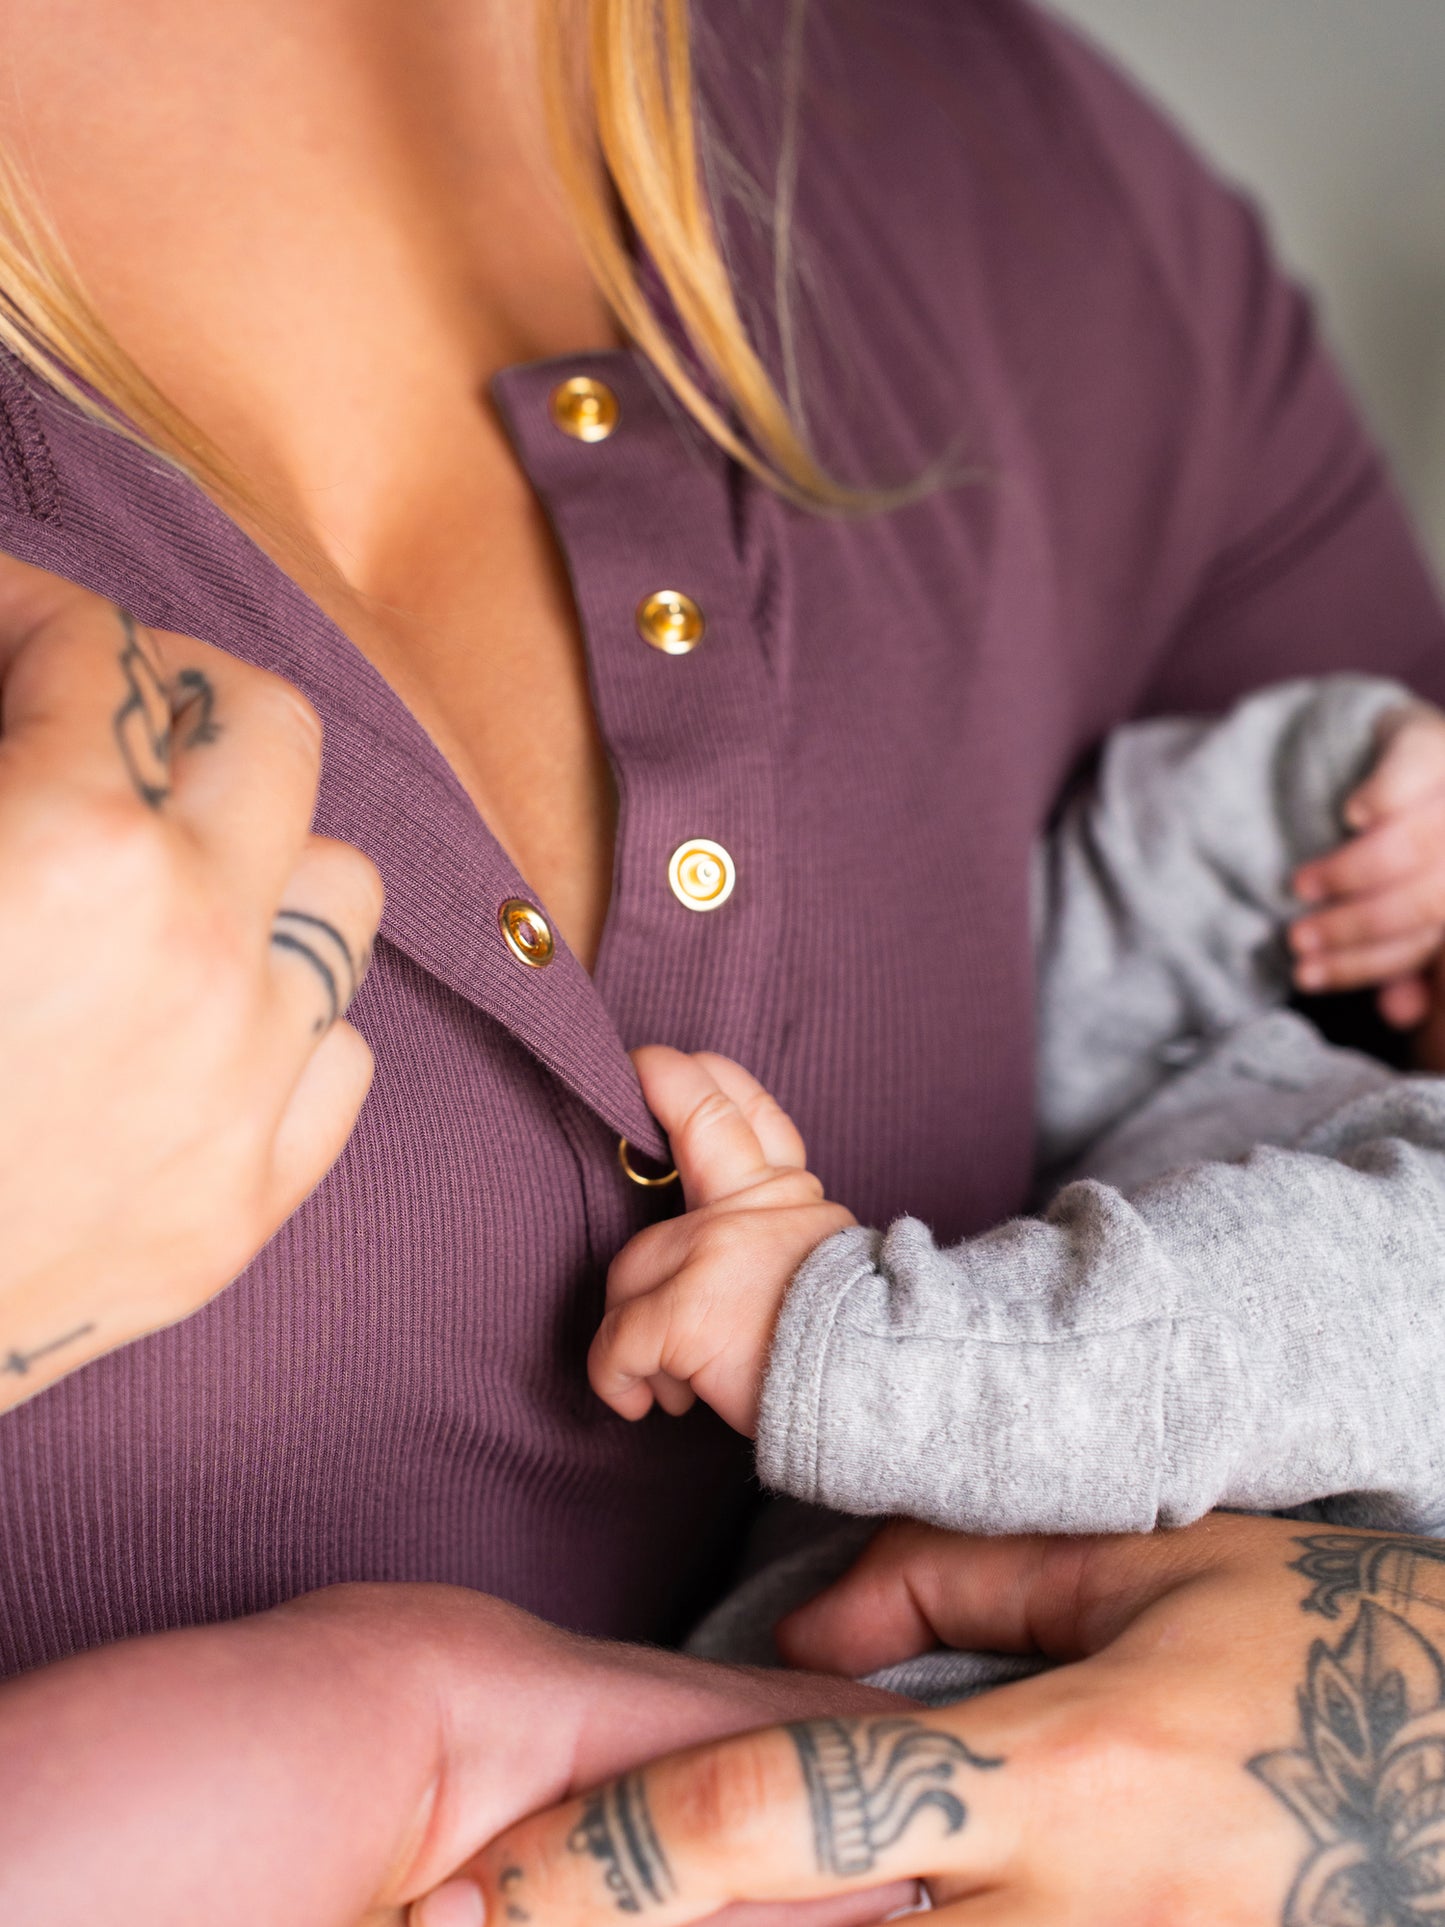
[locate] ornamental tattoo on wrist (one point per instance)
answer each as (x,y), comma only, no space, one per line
(1367,1780)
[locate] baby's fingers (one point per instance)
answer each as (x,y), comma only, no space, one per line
(1410,767)
(649,1338)
(715,1148)
(1361,965)
(780,1138)
(1404,1002)
(1369,939)
(1406,846)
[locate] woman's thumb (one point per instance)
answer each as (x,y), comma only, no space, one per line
(917,1587)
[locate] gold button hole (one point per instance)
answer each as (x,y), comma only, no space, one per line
(670,621)
(526,932)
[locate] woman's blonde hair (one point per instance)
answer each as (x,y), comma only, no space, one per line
(617,80)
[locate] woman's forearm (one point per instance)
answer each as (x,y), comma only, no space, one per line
(274,1769)
(323,1763)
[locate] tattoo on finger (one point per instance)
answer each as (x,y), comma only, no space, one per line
(508,1883)
(321,946)
(869,1780)
(616,1831)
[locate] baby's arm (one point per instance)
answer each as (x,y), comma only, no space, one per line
(1260,1334)
(1164,891)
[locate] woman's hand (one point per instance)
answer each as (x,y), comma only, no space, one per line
(1255,1734)
(177,953)
(1378,902)
(325,1763)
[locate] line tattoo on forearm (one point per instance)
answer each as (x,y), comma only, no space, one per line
(616,1831)
(18,1364)
(868,1781)
(1367,1779)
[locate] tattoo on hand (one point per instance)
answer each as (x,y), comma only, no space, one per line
(195,709)
(321,945)
(1367,1780)
(1357,1565)
(18,1364)
(868,1781)
(616,1830)
(142,723)
(508,1881)
(149,715)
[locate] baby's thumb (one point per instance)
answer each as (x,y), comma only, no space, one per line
(715,1148)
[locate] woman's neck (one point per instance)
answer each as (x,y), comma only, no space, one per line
(319,229)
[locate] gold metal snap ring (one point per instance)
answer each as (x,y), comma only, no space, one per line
(624,1158)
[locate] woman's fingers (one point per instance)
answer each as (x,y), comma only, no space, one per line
(916,1587)
(318,1119)
(321,935)
(99,704)
(787,1813)
(245,765)
(86,703)
(1399,848)
(715,1145)
(168,1101)
(1410,908)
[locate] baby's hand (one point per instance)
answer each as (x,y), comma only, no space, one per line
(691,1303)
(1383,892)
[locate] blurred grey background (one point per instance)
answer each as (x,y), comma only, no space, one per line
(1333,112)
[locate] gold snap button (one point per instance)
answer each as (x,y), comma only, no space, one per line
(624,1158)
(585,409)
(526,932)
(671,622)
(701,874)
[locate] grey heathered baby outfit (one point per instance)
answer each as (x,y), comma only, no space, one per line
(1237,1297)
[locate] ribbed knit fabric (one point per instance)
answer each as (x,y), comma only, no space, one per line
(1005,257)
